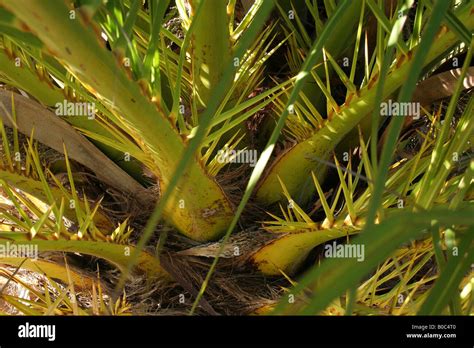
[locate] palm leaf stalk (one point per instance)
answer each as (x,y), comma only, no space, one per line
(101,72)
(303,157)
(35,82)
(210,53)
(43,222)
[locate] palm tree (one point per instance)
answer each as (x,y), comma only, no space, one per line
(163,136)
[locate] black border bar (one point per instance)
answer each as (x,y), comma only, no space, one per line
(289,331)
